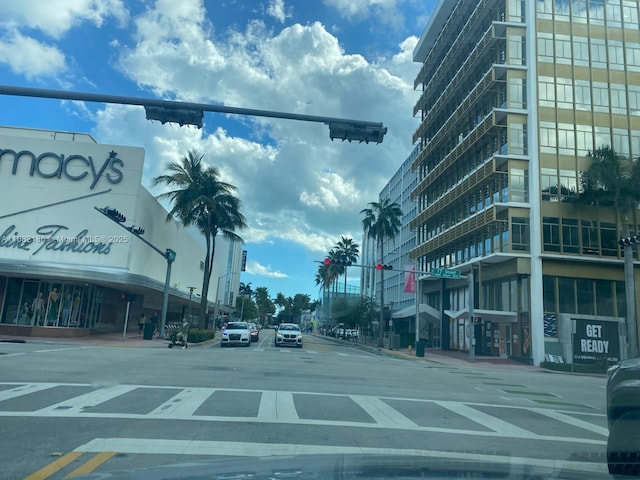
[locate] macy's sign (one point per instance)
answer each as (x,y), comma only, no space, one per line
(71,167)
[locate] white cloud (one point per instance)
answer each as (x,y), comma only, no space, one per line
(359,10)
(277,10)
(294,182)
(56,17)
(254,268)
(29,57)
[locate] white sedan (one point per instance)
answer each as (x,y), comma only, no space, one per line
(236,333)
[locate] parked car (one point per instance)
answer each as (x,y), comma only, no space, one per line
(623,416)
(254,331)
(289,334)
(236,333)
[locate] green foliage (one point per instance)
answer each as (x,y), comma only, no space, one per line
(198,336)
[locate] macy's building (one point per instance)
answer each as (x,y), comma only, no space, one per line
(64,267)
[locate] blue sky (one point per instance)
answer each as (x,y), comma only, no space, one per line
(300,191)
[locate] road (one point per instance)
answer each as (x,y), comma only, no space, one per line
(69,409)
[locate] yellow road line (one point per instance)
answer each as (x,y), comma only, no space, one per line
(53,467)
(92,464)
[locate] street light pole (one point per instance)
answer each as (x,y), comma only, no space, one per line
(191,289)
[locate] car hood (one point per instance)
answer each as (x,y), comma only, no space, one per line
(235,330)
(347,467)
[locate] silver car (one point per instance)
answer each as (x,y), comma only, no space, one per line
(236,333)
(289,334)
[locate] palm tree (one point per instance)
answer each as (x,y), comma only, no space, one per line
(611,181)
(347,251)
(264,303)
(325,277)
(199,198)
(382,221)
(244,291)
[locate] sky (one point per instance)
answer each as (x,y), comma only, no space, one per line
(300,191)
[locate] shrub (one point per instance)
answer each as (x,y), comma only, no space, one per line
(197,336)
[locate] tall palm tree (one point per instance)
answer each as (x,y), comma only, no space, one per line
(382,221)
(347,251)
(199,198)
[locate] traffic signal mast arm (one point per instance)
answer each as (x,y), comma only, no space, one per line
(119,219)
(375,267)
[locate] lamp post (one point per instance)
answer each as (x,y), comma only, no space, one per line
(191,289)
(168,254)
(630,293)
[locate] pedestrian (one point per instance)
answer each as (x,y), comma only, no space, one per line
(183,333)
(141,321)
(154,322)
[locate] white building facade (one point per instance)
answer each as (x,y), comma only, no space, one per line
(65,267)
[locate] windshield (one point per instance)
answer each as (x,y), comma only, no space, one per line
(274,228)
(237,326)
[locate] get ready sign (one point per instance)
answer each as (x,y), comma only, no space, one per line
(595,340)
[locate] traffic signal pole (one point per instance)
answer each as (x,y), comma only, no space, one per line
(169,255)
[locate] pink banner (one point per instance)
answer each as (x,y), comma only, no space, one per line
(409,279)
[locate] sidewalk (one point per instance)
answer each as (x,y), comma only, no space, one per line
(132,340)
(442,357)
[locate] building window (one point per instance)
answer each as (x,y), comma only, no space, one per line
(564,95)
(549,294)
(568,184)
(586,297)
(549,184)
(604,298)
(563,49)
(608,236)
(630,14)
(545,48)
(551,234)
(570,237)
(598,53)
(566,139)
(581,51)
(600,97)
(590,243)
(518,138)
(567,300)
(519,183)
(547,137)
(520,234)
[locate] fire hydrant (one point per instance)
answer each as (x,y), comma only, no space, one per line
(409,349)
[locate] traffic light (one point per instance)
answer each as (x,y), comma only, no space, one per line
(180,116)
(333,261)
(114,214)
(632,240)
(136,230)
(170,255)
(360,133)
(380,266)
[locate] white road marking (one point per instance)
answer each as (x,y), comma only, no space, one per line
(343,354)
(251,449)
(486,420)
(382,413)
(24,389)
(77,404)
(60,349)
(183,404)
(576,422)
(278,406)
(12,355)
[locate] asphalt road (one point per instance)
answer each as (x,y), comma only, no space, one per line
(69,409)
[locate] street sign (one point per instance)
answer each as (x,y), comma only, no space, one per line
(445,273)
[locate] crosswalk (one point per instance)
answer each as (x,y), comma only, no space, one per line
(302,351)
(70,400)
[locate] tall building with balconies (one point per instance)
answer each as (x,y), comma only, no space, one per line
(515,96)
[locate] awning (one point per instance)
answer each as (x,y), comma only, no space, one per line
(411,312)
(497,316)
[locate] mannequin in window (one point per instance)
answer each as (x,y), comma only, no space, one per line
(38,309)
(52,306)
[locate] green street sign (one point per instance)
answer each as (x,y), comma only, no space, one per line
(446,273)
(170,255)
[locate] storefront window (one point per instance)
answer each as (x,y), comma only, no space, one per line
(52,304)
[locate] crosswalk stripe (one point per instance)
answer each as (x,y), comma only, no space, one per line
(382,413)
(183,404)
(576,422)
(277,405)
(91,399)
(25,389)
(486,420)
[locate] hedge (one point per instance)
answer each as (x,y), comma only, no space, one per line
(198,336)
